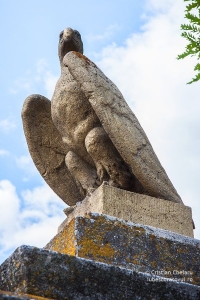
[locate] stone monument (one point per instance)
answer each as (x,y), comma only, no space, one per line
(88,134)
(123,212)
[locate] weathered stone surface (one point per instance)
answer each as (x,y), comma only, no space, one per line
(104,140)
(49,274)
(122,126)
(130,245)
(14,296)
(136,208)
(47,148)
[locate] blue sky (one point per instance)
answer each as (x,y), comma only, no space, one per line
(135,43)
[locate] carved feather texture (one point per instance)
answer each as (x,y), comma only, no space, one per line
(122,126)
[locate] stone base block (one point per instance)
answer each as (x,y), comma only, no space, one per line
(13,296)
(130,245)
(62,277)
(136,208)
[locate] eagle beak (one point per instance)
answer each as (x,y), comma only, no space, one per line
(68,32)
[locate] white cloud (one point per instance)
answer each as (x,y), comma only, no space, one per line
(3,152)
(154,84)
(6,125)
(25,162)
(9,203)
(41,67)
(50,82)
(31,220)
(23,83)
(47,203)
(110,30)
(46,77)
(42,78)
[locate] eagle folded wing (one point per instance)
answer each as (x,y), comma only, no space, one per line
(122,126)
(47,148)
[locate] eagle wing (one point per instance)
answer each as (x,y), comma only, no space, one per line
(47,148)
(122,126)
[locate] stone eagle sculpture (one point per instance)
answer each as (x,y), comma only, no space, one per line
(87,133)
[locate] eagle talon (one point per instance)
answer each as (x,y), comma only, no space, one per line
(102,173)
(69,210)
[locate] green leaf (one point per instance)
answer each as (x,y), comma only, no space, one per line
(189,37)
(197,67)
(194,19)
(190,27)
(191,32)
(189,7)
(193,48)
(188,51)
(183,55)
(195,79)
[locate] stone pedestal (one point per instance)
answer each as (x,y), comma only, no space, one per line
(136,208)
(133,246)
(62,277)
(98,255)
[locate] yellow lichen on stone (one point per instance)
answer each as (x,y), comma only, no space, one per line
(116,242)
(23,296)
(36,297)
(153,263)
(89,248)
(64,241)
